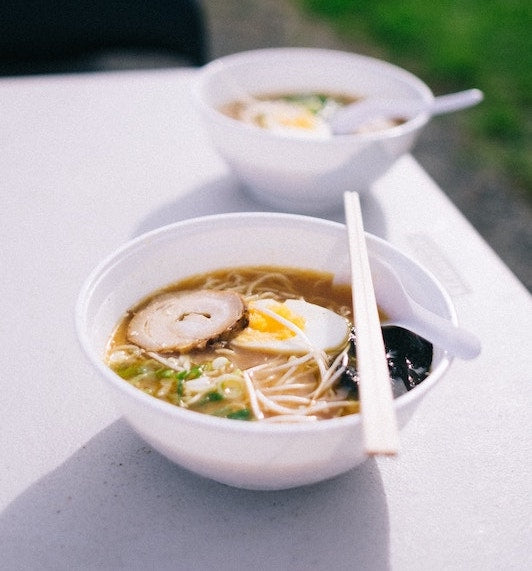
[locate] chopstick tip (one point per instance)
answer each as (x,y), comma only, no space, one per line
(388,453)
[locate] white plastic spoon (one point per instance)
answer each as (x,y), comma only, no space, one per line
(351,117)
(403,311)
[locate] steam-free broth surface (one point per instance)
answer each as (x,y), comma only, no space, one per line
(255,343)
(299,115)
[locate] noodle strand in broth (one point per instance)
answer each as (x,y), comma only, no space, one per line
(289,358)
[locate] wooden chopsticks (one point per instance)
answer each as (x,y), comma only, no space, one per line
(379,423)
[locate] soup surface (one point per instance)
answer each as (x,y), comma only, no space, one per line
(303,115)
(255,343)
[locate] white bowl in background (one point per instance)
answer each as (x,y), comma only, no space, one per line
(307,176)
(250,455)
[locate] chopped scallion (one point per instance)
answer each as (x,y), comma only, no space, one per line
(242,414)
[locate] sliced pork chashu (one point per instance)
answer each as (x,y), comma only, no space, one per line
(183,321)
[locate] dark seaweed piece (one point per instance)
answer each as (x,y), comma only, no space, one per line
(409,359)
(349,378)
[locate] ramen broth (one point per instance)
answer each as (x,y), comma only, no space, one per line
(299,114)
(255,369)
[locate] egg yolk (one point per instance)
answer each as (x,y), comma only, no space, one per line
(266,324)
(299,122)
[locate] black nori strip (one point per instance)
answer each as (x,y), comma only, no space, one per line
(409,359)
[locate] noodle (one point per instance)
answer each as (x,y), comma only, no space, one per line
(231,380)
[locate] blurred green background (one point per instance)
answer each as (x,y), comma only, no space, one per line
(454,45)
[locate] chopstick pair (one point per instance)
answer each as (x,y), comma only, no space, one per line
(379,422)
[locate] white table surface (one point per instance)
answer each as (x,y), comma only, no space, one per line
(89,161)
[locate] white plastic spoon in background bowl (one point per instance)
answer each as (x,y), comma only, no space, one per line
(403,311)
(353,116)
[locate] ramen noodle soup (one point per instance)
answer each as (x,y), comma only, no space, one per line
(256,343)
(300,115)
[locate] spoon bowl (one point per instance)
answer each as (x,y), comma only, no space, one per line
(403,311)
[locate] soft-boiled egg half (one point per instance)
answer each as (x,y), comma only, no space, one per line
(285,118)
(292,327)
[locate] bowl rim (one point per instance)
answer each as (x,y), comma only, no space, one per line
(134,245)
(205,73)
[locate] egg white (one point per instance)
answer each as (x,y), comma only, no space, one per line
(283,118)
(323,330)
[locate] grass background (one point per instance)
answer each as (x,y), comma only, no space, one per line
(454,45)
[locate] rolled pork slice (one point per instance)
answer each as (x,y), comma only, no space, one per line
(186,320)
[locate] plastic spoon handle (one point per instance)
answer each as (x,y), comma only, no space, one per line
(440,332)
(351,117)
(404,311)
(456,101)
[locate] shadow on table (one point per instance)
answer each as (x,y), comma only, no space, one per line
(226,195)
(117,504)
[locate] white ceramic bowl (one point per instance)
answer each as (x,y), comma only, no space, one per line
(251,455)
(307,176)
